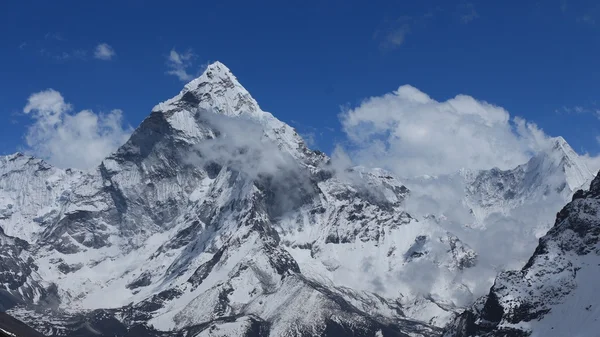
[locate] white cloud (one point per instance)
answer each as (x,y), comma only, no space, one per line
(48,104)
(178,64)
(412,134)
(592,162)
(77,140)
(241,145)
(395,38)
(104,52)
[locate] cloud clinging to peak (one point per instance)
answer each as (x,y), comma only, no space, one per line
(104,52)
(410,133)
(179,63)
(71,140)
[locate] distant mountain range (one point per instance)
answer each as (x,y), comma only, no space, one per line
(216,219)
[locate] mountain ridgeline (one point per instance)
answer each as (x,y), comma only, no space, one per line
(216,219)
(554,294)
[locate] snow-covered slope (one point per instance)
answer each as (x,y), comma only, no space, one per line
(499,215)
(30,190)
(189,226)
(557,170)
(216,219)
(555,293)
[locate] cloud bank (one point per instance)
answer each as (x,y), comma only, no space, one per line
(71,140)
(411,134)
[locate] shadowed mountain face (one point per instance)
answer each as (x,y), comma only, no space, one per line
(188,229)
(216,219)
(555,293)
(11,327)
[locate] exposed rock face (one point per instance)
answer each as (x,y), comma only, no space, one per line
(216,219)
(190,228)
(11,327)
(554,294)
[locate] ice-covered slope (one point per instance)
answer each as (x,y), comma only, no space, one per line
(555,293)
(215,218)
(556,170)
(187,228)
(499,214)
(549,178)
(30,189)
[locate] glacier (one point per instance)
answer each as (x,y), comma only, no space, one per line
(215,218)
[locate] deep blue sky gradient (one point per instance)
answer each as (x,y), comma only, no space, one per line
(302,60)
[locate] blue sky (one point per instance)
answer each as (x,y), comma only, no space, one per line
(304,60)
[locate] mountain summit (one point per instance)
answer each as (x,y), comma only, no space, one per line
(565,158)
(554,294)
(216,89)
(216,219)
(203,223)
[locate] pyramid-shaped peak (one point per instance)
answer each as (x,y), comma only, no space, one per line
(218,90)
(561,149)
(214,73)
(217,67)
(560,140)
(560,143)
(563,156)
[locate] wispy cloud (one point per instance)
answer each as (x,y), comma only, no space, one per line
(392,34)
(587,19)
(55,46)
(467,12)
(242,145)
(178,64)
(591,108)
(104,52)
(572,110)
(309,133)
(587,15)
(63,55)
(54,36)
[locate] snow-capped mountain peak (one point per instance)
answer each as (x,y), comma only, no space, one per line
(577,174)
(216,89)
(556,169)
(555,293)
(217,97)
(185,224)
(216,216)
